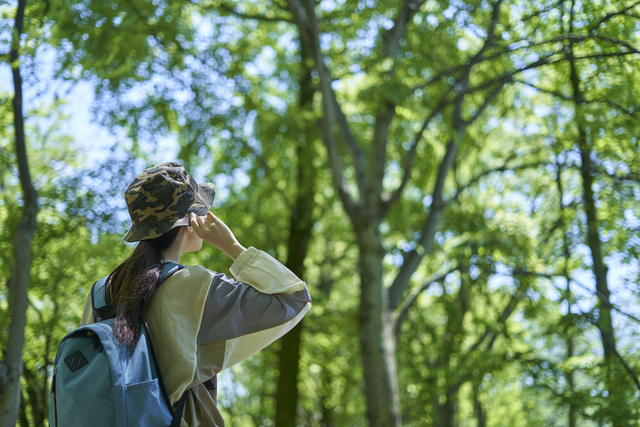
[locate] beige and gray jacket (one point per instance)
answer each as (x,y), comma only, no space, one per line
(202,322)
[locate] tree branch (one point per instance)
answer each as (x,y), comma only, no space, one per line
(477,58)
(487,101)
(413,258)
(623,43)
(379,142)
(568,98)
(506,313)
(402,311)
(541,11)
(606,55)
(547,91)
(305,18)
(632,177)
(600,296)
(337,174)
(606,301)
(502,168)
(628,369)
(232,11)
(38,312)
(610,15)
(391,38)
(631,15)
(408,159)
(546,60)
(491,36)
(309,39)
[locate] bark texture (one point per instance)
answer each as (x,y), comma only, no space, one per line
(573,409)
(376,334)
(477,407)
(593,238)
(11,365)
(289,368)
(617,408)
(37,397)
(301,225)
(366,205)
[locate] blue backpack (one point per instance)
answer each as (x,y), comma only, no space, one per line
(99,382)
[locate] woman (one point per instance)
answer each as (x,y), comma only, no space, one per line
(201,322)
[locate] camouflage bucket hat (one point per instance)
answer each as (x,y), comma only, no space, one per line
(162,198)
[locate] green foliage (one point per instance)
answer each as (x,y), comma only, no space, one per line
(70,250)
(507,338)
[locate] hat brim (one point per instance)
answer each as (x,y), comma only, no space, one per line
(202,205)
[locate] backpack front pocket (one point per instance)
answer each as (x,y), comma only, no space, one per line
(145,405)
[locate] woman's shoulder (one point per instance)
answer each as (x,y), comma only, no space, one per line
(195,272)
(192,281)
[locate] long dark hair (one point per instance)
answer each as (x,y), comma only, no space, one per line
(132,284)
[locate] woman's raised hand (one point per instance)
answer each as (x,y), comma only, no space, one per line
(212,230)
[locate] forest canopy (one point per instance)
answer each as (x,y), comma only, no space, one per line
(457,182)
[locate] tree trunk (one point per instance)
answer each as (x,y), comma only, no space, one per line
(376,333)
(299,236)
(618,404)
(11,365)
(573,409)
(593,240)
(35,396)
(289,368)
(23,421)
(618,407)
(444,413)
(477,406)
(301,225)
(456,308)
(326,409)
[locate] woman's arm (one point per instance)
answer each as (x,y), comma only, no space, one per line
(265,302)
(248,317)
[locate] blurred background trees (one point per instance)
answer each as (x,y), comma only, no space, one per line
(457,182)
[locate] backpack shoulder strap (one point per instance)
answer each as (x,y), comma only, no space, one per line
(168,270)
(103,310)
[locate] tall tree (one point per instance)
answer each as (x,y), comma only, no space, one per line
(300,229)
(604,321)
(407,92)
(585,145)
(470,92)
(572,414)
(18,285)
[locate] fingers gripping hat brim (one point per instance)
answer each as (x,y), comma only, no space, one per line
(150,230)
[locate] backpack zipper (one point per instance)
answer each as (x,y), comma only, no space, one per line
(97,344)
(55,397)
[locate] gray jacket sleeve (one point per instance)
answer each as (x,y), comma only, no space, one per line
(249,316)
